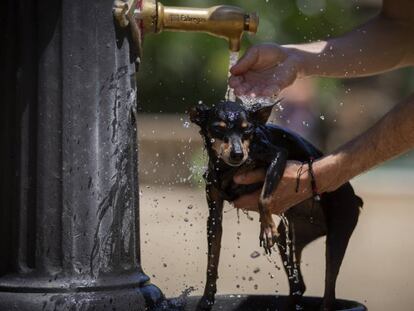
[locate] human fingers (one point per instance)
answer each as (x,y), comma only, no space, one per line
(267,83)
(270,91)
(243,89)
(235,81)
(249,201)
(250,177)
(284,75)
(246,62)
(264,91)
(280,204)
(278,209)
(256,91)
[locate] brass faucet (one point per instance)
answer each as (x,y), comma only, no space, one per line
(223,21)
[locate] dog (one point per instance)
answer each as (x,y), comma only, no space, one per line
(238,139)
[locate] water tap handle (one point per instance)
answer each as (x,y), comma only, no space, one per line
(124,14)
(124,11)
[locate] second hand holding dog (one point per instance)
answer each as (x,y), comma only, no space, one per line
(285,195)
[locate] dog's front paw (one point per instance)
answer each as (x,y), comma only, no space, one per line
(205,304)
(268,236)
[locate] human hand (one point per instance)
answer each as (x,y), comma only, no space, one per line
(265,70)
(285,195)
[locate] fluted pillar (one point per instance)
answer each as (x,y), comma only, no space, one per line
(69,222)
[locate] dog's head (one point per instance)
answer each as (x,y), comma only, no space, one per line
(227,128)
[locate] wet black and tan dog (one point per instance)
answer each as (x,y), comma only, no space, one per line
(239,139)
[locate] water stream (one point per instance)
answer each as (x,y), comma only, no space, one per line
(233,58)
(293,265)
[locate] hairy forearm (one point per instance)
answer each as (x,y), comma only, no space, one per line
(388,138)
(380,45)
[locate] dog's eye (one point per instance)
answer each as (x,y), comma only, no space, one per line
(247,130)
(245,125)
(220,125)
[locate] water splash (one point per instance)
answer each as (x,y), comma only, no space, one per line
(250,101)
(175,304)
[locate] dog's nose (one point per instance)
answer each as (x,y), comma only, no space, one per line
(236,155)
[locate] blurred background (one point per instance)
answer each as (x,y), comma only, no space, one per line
(179,70)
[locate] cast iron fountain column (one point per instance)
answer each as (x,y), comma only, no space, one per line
(69,230)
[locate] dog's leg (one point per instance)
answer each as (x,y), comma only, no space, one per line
(268,232)
(342,211)
(214,233)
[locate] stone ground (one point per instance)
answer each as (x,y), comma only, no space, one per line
(377,269)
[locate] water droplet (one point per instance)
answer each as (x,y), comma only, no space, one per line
(255,255)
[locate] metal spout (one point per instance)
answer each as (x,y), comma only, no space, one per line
(222,21)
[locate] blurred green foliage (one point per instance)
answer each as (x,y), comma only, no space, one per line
(180,69)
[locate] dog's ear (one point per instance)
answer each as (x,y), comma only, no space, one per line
(260,113)
(198,114)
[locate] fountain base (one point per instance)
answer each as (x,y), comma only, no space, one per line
(268,302)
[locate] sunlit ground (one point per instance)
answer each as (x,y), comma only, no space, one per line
(377,269)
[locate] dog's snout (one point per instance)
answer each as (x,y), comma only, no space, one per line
(236,155)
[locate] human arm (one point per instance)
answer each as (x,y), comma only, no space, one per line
(382,44)
(388,138)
